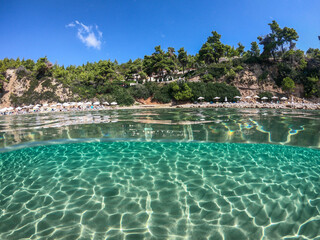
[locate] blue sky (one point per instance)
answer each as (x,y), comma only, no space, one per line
(74,32)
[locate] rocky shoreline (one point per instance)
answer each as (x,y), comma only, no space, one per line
(242,105)
(306,106)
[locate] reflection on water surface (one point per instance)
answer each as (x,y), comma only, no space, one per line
(287,127)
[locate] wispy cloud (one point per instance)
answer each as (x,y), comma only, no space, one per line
(70,25)
(89,35)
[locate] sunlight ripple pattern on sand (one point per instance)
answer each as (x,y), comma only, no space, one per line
(147,190)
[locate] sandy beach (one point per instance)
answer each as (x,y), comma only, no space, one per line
(257,105)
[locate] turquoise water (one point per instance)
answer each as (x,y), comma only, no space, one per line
(150,190)
(161,174)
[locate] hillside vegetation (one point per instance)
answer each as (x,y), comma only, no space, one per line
(217,70)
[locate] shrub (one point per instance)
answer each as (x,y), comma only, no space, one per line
(152,87)
(211,90)
(162,95)
(263,76)
(207,78)
(107,98)
(288,84)
(123,97)
(231,74)
(183,93)
(238,68)
(198,90)
(140,91)
(221,90)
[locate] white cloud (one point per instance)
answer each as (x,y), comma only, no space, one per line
(90,36)
(70,25)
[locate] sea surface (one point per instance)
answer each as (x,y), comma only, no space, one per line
(161,174)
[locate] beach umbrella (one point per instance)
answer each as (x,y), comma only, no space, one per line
(247,97)
(264,98)
(80,103)
(18,108)
(200,98)
(45,105)
(30,106)
(105,103)
(96,103)
(10,108)
(217,98)
(274,97)
(88,103)
(283,98)
(114,103)
(66,104)
(256,96)
(54,105)
(35,107)
(3,109)
(237,97)
(59,104)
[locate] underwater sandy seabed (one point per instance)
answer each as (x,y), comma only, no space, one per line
(160,190)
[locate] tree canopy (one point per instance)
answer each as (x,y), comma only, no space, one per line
(278,41)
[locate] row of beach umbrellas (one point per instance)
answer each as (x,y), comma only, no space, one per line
(249,97)
(45,105)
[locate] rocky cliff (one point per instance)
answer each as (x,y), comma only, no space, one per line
(253,79)
(25,90)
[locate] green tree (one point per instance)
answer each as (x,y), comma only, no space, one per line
(160,62)
(183,58)
(312,86)
(28,64)
(181,93)
(313,52)
(218,47)
(254,50)
(212,50)
(227,51)
(278,41)
(240,49)
(143,76)
(104,71)
(288,85)
(42,68)
(293,57)
(206,53)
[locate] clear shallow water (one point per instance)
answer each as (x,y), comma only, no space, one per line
(137,190)
(161,174)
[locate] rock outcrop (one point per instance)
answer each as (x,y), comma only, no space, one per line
(256,78)
(19,88)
